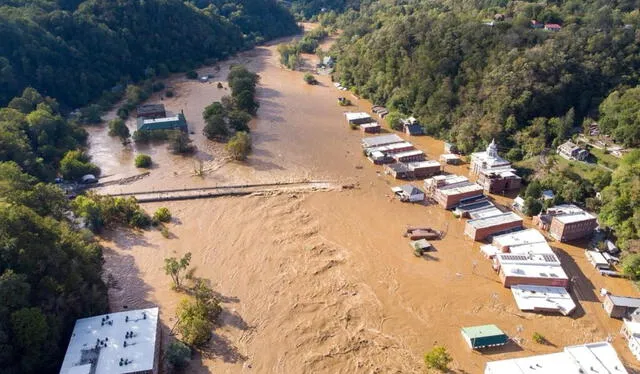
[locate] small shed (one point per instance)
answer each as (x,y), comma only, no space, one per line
(450,159)
(598,260)
(399,171)
(620,306)
(408,193)
(484,336)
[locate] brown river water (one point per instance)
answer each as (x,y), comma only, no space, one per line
(320,282)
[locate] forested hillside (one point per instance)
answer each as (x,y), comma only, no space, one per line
(472,73)
(49,274)
(74,50)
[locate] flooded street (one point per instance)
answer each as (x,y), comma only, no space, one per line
(320,282)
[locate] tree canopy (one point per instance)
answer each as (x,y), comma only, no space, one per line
(75,50)
(469,80)
(49,274)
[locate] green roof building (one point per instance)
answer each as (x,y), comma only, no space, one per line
(167,123)
(484,336)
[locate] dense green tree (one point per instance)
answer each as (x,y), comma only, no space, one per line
(179,142)
(239,146)
(76,164)
(178,355)
(620,203)
(620,116)
(77,52)
(118,128)
(50,274)
(174,267)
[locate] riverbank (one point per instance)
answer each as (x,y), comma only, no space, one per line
(322,282)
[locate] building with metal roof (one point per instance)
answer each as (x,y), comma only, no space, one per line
(357,118)
(167,123)
(115,343)
(620,306)
(376,141)
(484,336)
(481,228)
(586,358)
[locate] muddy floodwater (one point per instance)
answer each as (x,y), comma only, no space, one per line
(321,282)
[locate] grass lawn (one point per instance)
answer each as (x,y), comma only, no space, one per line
(604,159)
(585,170)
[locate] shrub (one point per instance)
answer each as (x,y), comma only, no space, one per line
(162,215)
(192,74)
(438,358)
(140,220)
(220,85)
(180,143)
(143,161)
(539,338)
(165,232)
(169,93)
(178,354)
(239,146)
(631,265)
(310,79)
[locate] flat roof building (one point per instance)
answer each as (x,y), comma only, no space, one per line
(409,156)
(450,190)
(484,336)
(376,141)
(370,128)
(481,228)
(115,343)
(566,222)
(411,170)
(586,358)
(543,299)
(358,118)
(450,158)
(631,332)
(620,306)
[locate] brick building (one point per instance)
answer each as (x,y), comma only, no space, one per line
(566,222)
(494,173)
(450,190)
(481,228)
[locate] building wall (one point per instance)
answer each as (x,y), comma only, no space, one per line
(512,280)
(426,172)
(571,231)
(633,346)
(450,201)
(482,233)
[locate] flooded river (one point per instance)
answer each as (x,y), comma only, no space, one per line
(320,282)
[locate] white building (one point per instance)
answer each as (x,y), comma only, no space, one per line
(543,299)
(594,358)
(115,343)
(631,332)
(488,160)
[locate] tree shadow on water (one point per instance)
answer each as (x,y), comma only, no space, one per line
(220,347)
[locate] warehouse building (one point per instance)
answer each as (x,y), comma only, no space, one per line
(586,358)
(167,123)
(481,228)
(116,343)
